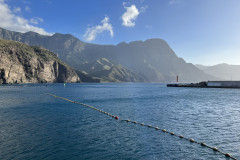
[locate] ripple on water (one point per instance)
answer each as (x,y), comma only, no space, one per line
(37,126)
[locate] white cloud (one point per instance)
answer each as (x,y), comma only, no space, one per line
(92,32)
(10,20)
(36,20)
(16,9)
(28,9)
(33,21)
(130,16)
(143,9)
(125,3)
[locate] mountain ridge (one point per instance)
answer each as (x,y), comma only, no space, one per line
(223,71)
(152,58)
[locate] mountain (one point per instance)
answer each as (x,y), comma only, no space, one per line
(20,63)
(152,59)
(110,71)
(201,67)
(222,71)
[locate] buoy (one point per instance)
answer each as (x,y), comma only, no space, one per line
(156,128)
(227,155)
(116,117)
(181,136)
(135,122)
(215,149)
(164,130)
(191,140)
(149,125)
(172,133)
(203,144)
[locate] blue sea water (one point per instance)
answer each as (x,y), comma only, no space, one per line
(36,126)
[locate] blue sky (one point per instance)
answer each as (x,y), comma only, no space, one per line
(200,31)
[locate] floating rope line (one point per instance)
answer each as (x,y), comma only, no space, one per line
(149,126)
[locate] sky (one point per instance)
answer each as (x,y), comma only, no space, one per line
(199,31)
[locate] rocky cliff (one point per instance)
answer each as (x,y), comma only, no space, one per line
(20,63)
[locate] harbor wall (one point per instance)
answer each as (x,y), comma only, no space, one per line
(223,84)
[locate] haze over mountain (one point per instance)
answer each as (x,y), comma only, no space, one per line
(151,60)
(222,71)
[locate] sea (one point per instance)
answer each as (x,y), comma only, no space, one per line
(37,126)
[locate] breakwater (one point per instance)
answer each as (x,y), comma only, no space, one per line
(209,84)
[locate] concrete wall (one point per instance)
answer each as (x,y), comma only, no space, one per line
(223,83)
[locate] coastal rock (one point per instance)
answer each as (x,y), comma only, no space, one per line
(20,63)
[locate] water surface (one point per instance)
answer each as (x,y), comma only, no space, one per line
(34,125)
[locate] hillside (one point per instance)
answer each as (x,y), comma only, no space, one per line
(152,59)
(109,71)
(20,63)
(222,71)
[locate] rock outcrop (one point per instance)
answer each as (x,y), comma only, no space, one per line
(20,63)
